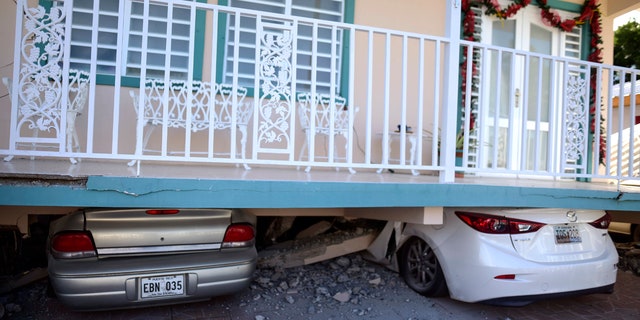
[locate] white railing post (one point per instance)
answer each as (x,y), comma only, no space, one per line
(450,89)
(13,89)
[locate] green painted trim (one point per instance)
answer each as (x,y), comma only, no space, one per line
(349,11)
(198,49)
(566,6)
(222,40)
(40,45)
(344,65)
(46,4)
(197,193)
(349,16)
(108,79)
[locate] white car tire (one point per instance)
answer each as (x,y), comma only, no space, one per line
(420,269)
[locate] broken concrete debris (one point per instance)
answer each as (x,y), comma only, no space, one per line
(321,286)
(319,241)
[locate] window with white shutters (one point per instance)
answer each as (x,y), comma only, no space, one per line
(572,43)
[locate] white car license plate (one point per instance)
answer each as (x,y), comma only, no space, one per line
(162,286)
(567,234)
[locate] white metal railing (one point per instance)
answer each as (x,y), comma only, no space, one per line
(628,161)
(394,96)
(538,116)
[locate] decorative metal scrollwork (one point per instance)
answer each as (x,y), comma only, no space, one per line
(40,81)
(276,105)
(576,118)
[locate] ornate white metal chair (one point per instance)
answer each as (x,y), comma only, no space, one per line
(199,108)
(78,94)
(323,121)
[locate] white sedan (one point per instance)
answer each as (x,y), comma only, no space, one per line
(509,256)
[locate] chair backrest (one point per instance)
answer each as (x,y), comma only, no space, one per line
(223,107)
(78,90)
(322,116)
(176,90)
(199,105)
(179,103)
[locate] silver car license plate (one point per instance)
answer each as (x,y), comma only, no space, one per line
(162,286)
(567,234)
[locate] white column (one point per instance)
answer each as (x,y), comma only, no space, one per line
(451,91)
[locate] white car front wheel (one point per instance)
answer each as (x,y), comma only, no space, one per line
(420,269)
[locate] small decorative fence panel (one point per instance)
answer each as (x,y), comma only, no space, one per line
(275,112)
(42,115)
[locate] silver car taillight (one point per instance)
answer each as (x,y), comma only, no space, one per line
(72,245)
(239,235)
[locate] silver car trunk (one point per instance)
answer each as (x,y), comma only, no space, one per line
(132,232)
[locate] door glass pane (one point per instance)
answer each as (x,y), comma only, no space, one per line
(496,158)
(539,74)
(538,99)
(503,34)
(540,153)
(518,135)
(540,40)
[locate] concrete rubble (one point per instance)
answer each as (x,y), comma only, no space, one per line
(320,241)
(629,254)
(321,286)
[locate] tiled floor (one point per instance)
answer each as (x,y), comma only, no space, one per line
(623,303)
(88,167)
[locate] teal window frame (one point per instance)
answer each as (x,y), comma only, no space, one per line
(349,13)
(133,81)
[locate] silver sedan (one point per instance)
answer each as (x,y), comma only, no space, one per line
(111,259)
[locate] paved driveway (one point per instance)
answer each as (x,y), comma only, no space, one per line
(391,299)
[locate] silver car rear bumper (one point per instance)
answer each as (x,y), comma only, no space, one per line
(111,284)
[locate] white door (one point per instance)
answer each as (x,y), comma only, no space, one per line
(518,110)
